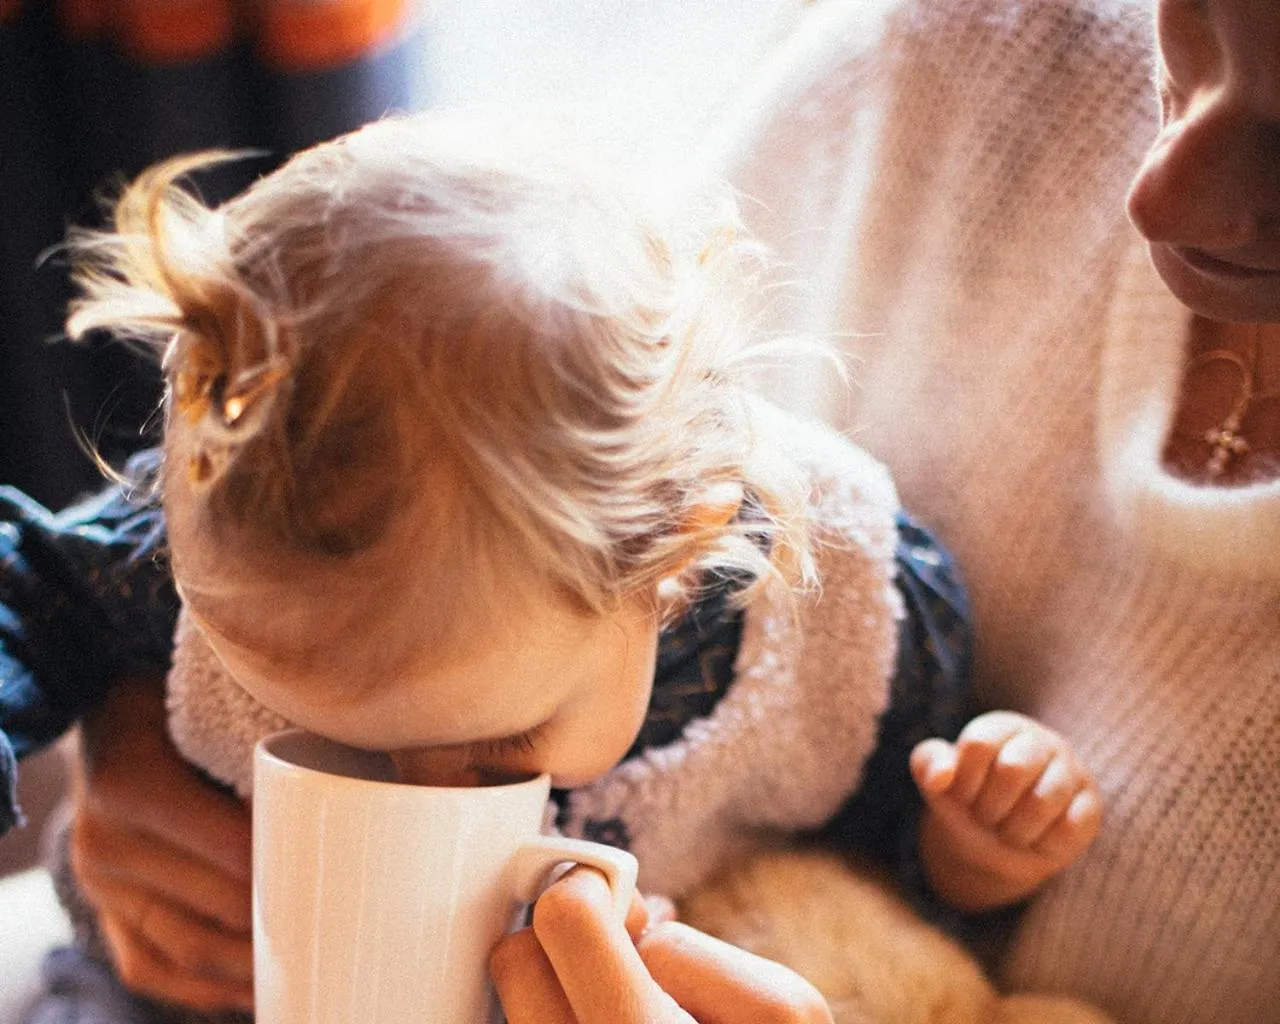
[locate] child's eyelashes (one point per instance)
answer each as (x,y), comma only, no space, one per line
(470,763)
(485,751)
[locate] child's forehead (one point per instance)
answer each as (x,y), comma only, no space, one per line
(397,600)
(376,680)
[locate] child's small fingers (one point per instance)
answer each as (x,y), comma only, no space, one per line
(976,749)
(1043,804)
(933,766)
(1013,772)
(1072,833)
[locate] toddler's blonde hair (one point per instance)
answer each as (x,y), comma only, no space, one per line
(464,307)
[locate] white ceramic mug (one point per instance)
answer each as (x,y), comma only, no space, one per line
(376,902)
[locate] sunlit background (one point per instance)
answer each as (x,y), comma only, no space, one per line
(645,75)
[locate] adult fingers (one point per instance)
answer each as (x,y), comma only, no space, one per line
(528,986)
(593,957)
(144,970)
(165,799)
(132,775)
(526,982)
(717,983)
(207,824)
(637,915)
(191,944)
(646,911)
(104,853)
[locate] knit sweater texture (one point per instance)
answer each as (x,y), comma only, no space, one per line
(944,183)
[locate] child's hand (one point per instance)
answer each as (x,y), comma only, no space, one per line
(1007,807)
(577,964)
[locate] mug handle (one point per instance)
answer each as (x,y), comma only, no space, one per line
(538,856)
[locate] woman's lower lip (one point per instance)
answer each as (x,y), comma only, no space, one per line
(1211,266)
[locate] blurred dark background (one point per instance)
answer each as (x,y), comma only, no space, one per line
(91,92)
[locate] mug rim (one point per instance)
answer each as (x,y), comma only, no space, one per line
(263,753)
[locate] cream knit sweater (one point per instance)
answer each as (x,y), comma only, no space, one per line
(944,183)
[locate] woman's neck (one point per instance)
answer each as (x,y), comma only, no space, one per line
(1227,428)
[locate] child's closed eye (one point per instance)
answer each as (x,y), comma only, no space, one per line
(504,750)
(472,763)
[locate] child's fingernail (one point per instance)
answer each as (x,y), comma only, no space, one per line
(933,763)
(1084,807)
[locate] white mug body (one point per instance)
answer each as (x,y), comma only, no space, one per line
(379,902)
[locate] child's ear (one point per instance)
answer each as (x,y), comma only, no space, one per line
(717,506)
(719,503)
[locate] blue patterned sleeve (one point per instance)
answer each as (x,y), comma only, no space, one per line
(85,598)
(929,696)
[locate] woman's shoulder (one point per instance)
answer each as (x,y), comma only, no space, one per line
(834,30)
(1009,50)
(903,42)
(1002,17)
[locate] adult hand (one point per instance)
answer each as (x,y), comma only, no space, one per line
(163,857)
(577,964)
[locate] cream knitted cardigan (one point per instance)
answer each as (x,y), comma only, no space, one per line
(944,181)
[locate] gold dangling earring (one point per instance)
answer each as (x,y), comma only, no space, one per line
(1226,440)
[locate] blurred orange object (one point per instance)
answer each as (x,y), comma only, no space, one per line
(173,31)
(303,35)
